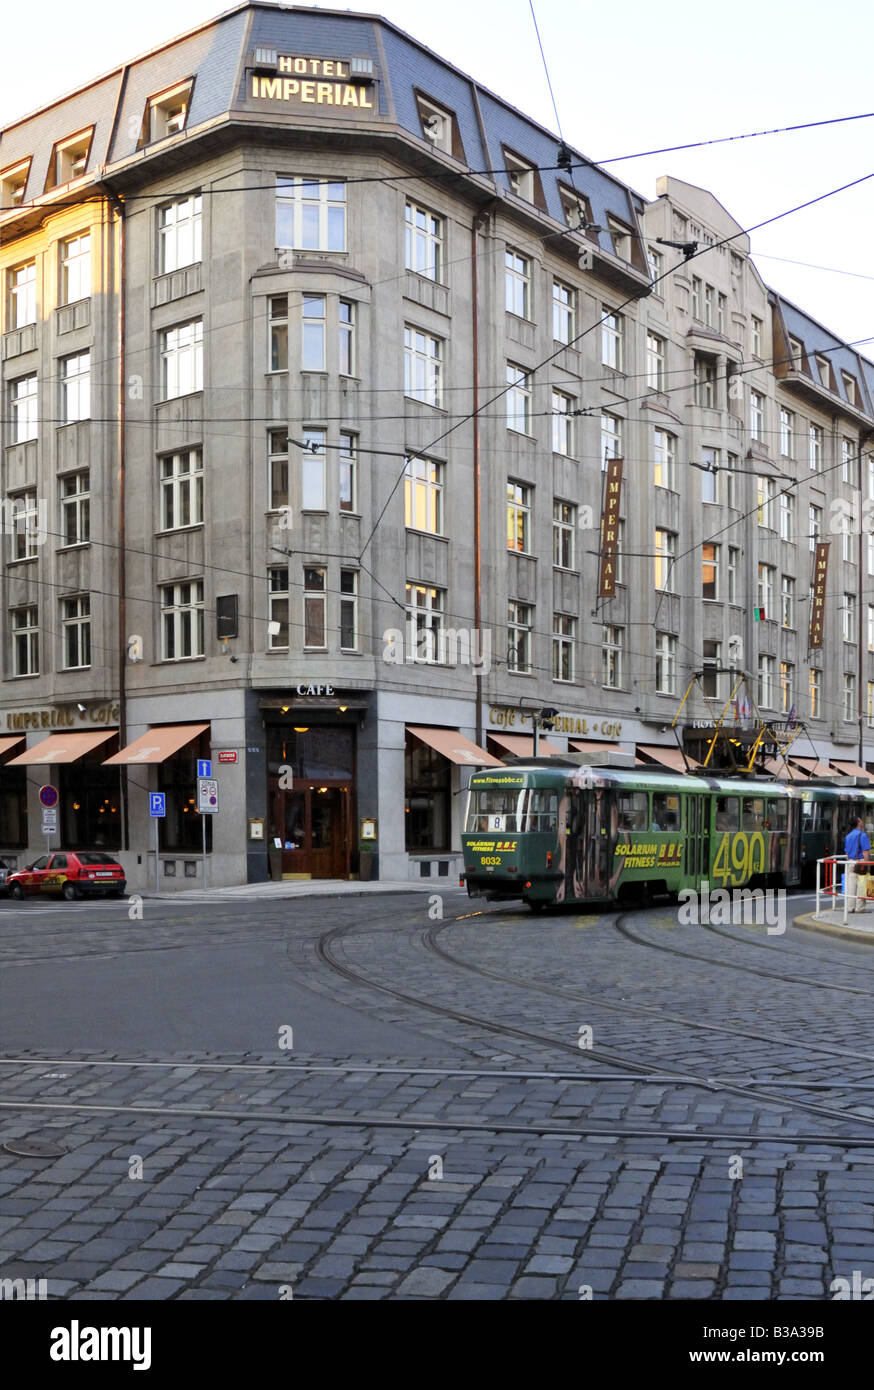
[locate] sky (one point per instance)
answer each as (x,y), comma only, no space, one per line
(639,77)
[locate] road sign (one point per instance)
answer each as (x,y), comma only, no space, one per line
(207,796)
(49,821)
(204,768)
(157,804)
(48,796)
(228,755)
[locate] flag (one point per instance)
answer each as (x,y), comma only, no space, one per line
(792,716)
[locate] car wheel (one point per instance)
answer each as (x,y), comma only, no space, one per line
(16,892)
(70,891)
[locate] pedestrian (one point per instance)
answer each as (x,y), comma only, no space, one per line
(857,847)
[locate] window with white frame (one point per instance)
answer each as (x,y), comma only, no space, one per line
(710,571)
(518,517)
(787,516)
(814,439)
(787,601)
(25,525)
(423,366)
(766,681)
(75,497)
(75,373)
(870,704)
(656,262)
(847,546)
(76,631)
(313,333)
(277,600)
(665,578)
(75,254)
(708,305)
(655,362)
(69,159)
(705,382)
(182,359)
(25,641)
(22,295)
(313,473)
(620,235)
(517,283)
(851,387)
(564,526)
(711,676)
(520,176)
(518,398)
(731,573)
(611,438)
(423,496)
(613,657)
(869,469)
(562,423)
(766,490)
(848,461)
(666,664)
(277,311)
(520,625)
(849,691)
(765,590)
(310,213)
(13,184)
(423,244)
(756,336)
(180,234)
(814,525)
(612,333)
(697,288)
(437,124)
(814,691)
(348,610)
(721,312)
(182,630)
(709,478)
(348,461)
(563,636)
(23,409)
(848,614)
(577,213)
(787,683)
(665,459)
(166,113)
(181,481)
(314,600)
(787,432)
(871,627)
(757,415)
(426,607)
(277,468)
(729,481)
(823,366)
(564,305)
(346,336)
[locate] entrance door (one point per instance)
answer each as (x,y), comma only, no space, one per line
(314,824)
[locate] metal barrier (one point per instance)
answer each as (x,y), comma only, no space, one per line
(836,878)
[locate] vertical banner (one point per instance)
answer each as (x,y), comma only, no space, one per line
(817,607)
(610,529)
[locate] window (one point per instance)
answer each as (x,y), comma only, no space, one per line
(848,461)
(871,704)
(517,284)
(312,348)
(665,456)
(277,468)
(787,516)
(731,573)
(766,681)
(348,471)
(871,627)
(13,187)
(22,295)
(75,387)
(787,432)
(666,664)
(182,359)
(520,622)
(564,302)
(310,214)
(850,710)
(696,297)
(710,458)
(348,610)
(721,306)
(576,210)
(705,382)
(25,641)
(620,235)
(181,477)
(563,633)
(851,388)
(869,465)
(562,424)
(76,508)
(655,362)
(76,268)
(633,810)
(765,504)
(23,409)
(823,366)
(166,113)
(847,542)
(613,657)
(425,610)
(787,601)
(277,592)
(848,614)
(437,124)
(756,335)
(814,690)
(518,517)
(656,262)
(757,415)
(611,438)
(180,233)
(346,336)
(787,681)
(520,176)
(518,400)
(423,366)
(814,438)
(314,634)
(278,319)
(709,571)
(69,159)
(729,480)
(765,590)
(814,523)
(423,496)
(182,620)
(313,481)
(711,679)
(76,631)
(564,526)
(612,330)
(25,526)
(620,546)
(708,305)
(423,247)
(665,553)
(796,355)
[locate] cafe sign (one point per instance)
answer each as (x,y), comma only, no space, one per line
(66,718)
(592,726)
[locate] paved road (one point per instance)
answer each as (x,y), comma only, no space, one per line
(435,1130)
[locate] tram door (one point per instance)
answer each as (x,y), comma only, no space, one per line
(697,838)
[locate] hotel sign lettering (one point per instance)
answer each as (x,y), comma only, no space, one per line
(817,607)
(313,82)
(610,529)
(505,716)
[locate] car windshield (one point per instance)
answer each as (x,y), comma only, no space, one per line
(95,859)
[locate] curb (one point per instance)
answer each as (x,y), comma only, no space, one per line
(217,895)
(807,922)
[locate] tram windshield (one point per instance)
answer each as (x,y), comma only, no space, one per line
(502,809)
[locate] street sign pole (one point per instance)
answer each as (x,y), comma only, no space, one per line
(157,874)
(203,826)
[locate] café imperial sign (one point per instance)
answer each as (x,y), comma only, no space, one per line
(505,716)
(313,82)
(62,718)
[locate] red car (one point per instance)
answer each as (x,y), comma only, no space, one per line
(74,875)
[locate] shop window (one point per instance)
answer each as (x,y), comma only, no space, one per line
(90,805)
(180,828)
(427,799)
(13,807)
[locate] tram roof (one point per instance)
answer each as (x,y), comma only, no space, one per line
(554,772)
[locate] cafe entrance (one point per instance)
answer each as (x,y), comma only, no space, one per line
(315,826)
(311,800)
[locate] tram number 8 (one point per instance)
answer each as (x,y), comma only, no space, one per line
(739,857)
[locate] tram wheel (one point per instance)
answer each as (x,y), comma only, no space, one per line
(536,907)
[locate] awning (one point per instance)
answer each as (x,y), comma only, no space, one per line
(845,767)
(812,766)
(9,742)
(668,757)
(580,745)
(777,768)
(454,746)
(63,748)
(522,745)
(157,745)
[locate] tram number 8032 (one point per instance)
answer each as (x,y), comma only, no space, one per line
(740,856)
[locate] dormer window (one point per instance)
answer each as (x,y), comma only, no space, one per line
(69,159)
(621,236)
(520,176)
(796,355)
(575,209)
(166,114)
(851,388)
(13,184)
(437,124)
(824,368)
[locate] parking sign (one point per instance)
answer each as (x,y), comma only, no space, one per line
(157,804)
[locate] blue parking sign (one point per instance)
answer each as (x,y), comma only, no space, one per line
(157,804)
(204,767)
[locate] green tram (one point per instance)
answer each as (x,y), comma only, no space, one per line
(827,813)
(549,830)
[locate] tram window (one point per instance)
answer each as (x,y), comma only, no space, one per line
(727,812)
(665,811)
(495,809)
(777,815)
(542,811)
(754,813)
(633,808)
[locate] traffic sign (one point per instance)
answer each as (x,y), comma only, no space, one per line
(157,804)
(227,755)
(204,767)
(207,796)
(48,795)
(49,821)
